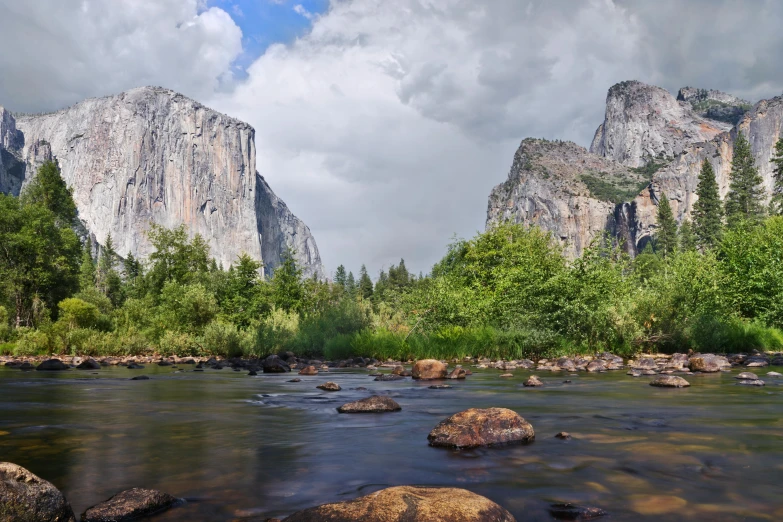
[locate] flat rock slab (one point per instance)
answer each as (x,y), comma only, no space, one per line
(481,427)
(329,386)
(374,404)
(131,504)
(409,504)
(670,381)
(25,497)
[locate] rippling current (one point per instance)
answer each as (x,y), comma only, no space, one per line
(246,448)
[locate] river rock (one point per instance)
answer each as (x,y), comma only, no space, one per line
(374,404)
(273,364)
(563,435)
(596,366)
(398,370)
(457,373)
(329,386)
(568,511)
(670,381)
(644,363)
(751,382)
(481,427)
(533,381)
(89,364)
(52,365)
(25,497)
(140,378)
(130,505)
(774,374)
(308,370)
(408,504)
(440,386)
(708,363)
(506,375)
(747,376)
(296,379)
(26,366)
(428,369)
(389,377)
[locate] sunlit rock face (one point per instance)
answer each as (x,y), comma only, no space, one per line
(150,155)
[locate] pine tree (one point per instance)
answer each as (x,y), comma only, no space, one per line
(707,211)
(340,277)
(87,268)
(776,205)
(287,285)
(350,285)
(746,192)
(667,228)
(687,237)
(365,283)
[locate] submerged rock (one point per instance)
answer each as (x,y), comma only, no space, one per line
(308,370)
(89,364)
(389,377)
(329,386)
(140,378)
(481,427)
(563,435)
(533,381)
(374,404)
(506,375)
(457,373)
(52,365)
(296,379)
(440,386)
(747,376)
(409,504)
(669,381)
(568,511)
(25,497)
(774,374)
(428,369)
(751,382)
(130,505)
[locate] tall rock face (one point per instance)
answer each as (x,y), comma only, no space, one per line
(561,187)
(644,123)
(578,195)
(12,165)
(151,155)
(715,105)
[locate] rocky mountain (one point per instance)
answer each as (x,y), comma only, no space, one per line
(151,155)
(650,143)
(715,105)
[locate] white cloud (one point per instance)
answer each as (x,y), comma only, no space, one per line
(300,10)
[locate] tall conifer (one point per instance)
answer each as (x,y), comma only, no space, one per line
(746,192)
(667,228)
(776,206)
(707,211)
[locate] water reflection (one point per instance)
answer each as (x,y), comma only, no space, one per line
(239,446)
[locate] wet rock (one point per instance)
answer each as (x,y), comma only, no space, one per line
(596,366)
(273,364)
(756,362)
(669,381)
(564,363)
(440,386)
(751,382)
(457,373)
(409,504)
(567,381)
(26,366)
(747,376)
(25,497)
(428,369)
(708,363)
(295,380)
(89,364)
(164,363)
(389,377)
(373,404)
(563,435)
(481,427)
(329,386)
(570,511)
(507,375)
(135,366)
(398,370)
(52,365)
(649,372)
(308,370)
(131,504)
(774,374)
(140,378)
(533,381)
(644,363)
(634,373)
(252,373)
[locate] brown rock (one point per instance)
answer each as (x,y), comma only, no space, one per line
(329,386)
(533,381)
(25,497)
(747,376)
(573,512)
(398,370)
(374,404)
(563,435)
(457,373)
(428,369)
(308,370)
(596,366)
(708,363)
(130,505)
(507,375)
(481,427)
(670,381)
(409,504)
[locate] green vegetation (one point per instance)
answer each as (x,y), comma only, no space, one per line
(707,211)
(743,205)
(607,191)
(776,205)
(508,292)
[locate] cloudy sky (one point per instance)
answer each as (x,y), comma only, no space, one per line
(384,124)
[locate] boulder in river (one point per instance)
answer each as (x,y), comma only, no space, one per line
(308,370)
(89,364)
(564,435)
(751,382)
(374,404)
(747,376)
(568,511)
(130,505)
(708,363)
(481,427)
(669,381)
(533,381)
(596,366)
(140,378)
(428,369)
(409,504)
(506,375)
(440,386)
(52,365)
(25,497)
(273,364)
(329,386)
(457,373)
(389,377)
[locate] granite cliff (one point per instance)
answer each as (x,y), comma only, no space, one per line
(649,143)
(150,155)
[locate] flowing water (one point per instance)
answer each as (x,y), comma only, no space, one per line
(246,448)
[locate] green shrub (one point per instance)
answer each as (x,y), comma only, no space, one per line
(32,342)
(734,335)
(275,333)
(5,328)
(77,313)
(380,343)
(178,343)
(339,347)
(223,339)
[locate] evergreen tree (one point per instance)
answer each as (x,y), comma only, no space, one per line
(340,277)
(287,286)
(687,237)
(666,236)
(707,211)
(776,205)
(365,283)
(87,268)
(132,267)
(380,287)
(746,192)
(48,188)
(350,285)
(399,277)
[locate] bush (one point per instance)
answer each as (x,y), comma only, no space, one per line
(223,339)
(32,342)
(275,333)
(734,335)
(77,313)
(339,347)
(5,329)
(178,343)
(380,343)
